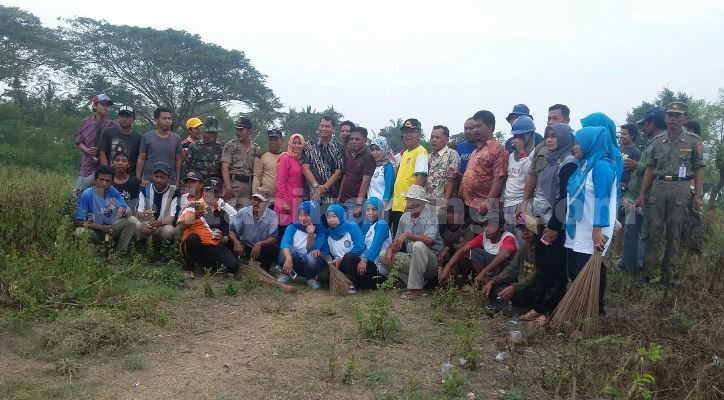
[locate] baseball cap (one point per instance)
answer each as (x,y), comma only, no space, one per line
(411,123)
(652,113)
(193,123)
(243,122)
(276,133)
(127,110)
(677,107)
(211,124)
(194,176)
(522,125)
(215,184)
(100,98)
(262,193)
(163,167)
(518,110)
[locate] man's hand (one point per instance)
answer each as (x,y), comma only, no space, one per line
(287,266)
(92,151)
(255,251)
(389,257)
(487,288)
(507,293)
(552,235)
(122,212)
(696,203)
(483,207)
(106,229)
(238,248)
(362,266)
(444,275)
(319,192)
(630,164)
(522,210)
(357,211)
(228,193)
(639,201)
(286,208)
(479,278)
(441,256)
(144,182)
(315,253)
(154,225)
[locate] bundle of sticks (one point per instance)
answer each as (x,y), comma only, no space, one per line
(338,281)
(577,313)
(254,268)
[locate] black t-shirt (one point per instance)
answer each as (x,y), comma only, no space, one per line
(113,141)
(129,190)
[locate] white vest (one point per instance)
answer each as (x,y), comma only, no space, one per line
(338,248)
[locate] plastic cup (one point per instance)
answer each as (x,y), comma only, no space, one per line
(516,337)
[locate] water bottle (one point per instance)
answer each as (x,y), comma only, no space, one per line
(445,370)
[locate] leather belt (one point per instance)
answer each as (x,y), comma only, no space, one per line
(672,178)
(241,178)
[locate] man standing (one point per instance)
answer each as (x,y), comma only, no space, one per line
(466,147)
(412,169)
(531,139)
(254,230)
(518,165)
(159,145)
(345,128)
(195,128)
(237,163)
(121,139)
(204,156)
(102,211)
(265,167)
(87,137)
(356,172)
(415,244)
(443,165)
(483,181)
(322,164)
(675,158)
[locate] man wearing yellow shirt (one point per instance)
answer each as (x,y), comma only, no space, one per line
(412,169)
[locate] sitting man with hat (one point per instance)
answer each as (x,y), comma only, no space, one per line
(253,231)
(158,206)
(415,244)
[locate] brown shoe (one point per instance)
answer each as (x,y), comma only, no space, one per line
(529,316)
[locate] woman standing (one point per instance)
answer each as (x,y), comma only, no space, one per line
(383,179)
(290,182)
(592,200)
(551,279)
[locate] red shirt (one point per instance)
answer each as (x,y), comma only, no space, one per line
(485,164)
(507,241)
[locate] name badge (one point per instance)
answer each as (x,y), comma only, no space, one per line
(682,172)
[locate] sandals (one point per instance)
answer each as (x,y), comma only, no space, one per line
(530,316)
(540,321)
(408,296)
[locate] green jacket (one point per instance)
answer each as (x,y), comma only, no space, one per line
(520,272)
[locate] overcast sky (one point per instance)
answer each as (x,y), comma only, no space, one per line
(379,60)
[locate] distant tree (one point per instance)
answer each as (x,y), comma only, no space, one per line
(305,120)
(149,68)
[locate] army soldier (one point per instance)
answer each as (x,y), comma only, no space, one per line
(675,158)
(204,155)
(237,163)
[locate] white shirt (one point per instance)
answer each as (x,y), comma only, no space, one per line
(338,248)
(583,242)
(379,261)
(377,183)
(299,241)
(514,185)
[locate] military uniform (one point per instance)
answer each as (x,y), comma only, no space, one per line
(205,158)
(241,164)
(673,161)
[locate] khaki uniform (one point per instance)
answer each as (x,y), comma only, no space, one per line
(673,161)
(241,164)
(265,172)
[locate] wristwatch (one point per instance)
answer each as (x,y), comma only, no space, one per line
(358,203)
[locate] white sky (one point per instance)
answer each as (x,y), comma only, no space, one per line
(379,60)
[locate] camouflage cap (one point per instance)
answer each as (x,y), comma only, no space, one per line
(411,123)
(211,124)
(677,107)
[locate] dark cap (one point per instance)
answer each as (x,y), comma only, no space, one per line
(215,184)
(211,124)
(518,110)
(411,123)
(276,133)
(677,107)
(127,110)
(243,122)
(652,113)
(522,125)
(163,167)
(194,176)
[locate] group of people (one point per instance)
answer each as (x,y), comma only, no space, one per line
(520,219)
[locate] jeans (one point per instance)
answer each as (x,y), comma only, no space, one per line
(633,245)
(304,264)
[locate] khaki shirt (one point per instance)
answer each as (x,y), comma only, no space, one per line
(240,158)
(265,172)
(667,155)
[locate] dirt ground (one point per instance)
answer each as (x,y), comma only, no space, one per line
(265,344)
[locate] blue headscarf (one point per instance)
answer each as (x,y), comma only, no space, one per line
(376,203)
(343,227)
(599,119)
(310,207)
(596,145)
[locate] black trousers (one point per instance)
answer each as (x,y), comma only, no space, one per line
(576,262)
(349,267)
(394,221)
(268,255)
(521,298)
(196,253)
(550,274)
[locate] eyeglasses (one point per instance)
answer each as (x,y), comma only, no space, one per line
(105,103)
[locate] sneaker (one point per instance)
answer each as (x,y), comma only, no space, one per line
(313,284)
(284,278)
(351,290)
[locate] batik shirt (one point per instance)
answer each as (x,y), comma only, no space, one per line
(323,160)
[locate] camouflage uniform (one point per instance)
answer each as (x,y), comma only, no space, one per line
(673,161)
(204,158)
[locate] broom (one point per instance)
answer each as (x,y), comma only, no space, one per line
(577,312)
(266,278)
(338,281)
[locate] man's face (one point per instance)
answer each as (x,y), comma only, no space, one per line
(102,108)
(257,205)
(624,137)
(104,181)
(675,120)
(411,138)
(160,180)
(518,143)
(556,117)
(481,131)
(325,129)
(120,164)
(275,144)
(415,206)
(356,142)
(164,121)
(196,133)
(344,131)
(125,121)
(210,137)
(648,127)
(193,187)
(468,130)
(243,133)
(438,139)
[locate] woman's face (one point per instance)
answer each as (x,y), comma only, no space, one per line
(376,153)
(296,145)
(577,152)
(371,213)
(332,220)
(551,141)
(304,218)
